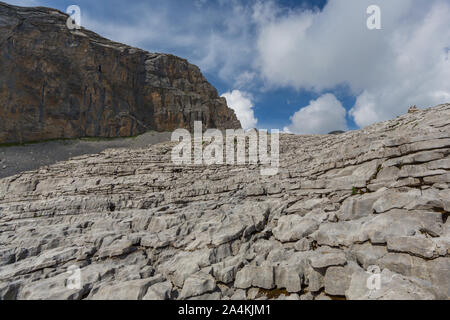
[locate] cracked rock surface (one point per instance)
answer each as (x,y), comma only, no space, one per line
(139,227)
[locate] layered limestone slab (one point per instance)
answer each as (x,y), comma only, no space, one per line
(361,215)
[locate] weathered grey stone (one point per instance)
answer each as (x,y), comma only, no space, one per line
(159,291)
(239,295)
(292,228)
(198,284)
(9,291)
(130,290)
(208,297)
(367,254)
(291,297)
(302,207)
(307,297)
(252,293)
(344,233)
(46,259)
(324,260)
(418,246)
(288,278)
(117,248)
(314,280)
(303,244)
(408,199)
(443,178)
(322,297)
(392,286)
(7,256)
(225,272)
(255,190)
(401,223)
(337,280)
(358,207)
(184,264)
(260,277)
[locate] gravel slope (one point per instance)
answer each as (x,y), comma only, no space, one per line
(16,159)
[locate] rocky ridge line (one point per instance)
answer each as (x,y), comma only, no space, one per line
(59,83)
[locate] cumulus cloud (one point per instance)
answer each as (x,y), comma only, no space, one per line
(263,45)
(387,70)
(241,103)
(419,71)
(321,116)
(216,36)
(405,63)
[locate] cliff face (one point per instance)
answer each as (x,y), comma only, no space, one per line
(139,226)
(58,83)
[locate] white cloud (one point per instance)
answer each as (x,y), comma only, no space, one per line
(420,70)
(246,80)
(387,70)
(405,63)
(321,116)
(218,37)
(241,103)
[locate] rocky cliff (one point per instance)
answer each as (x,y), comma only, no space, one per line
(61,83)
(343,210)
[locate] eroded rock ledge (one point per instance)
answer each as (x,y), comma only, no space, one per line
(142,228)
(60,83)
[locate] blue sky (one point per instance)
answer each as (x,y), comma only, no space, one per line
(308,66)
